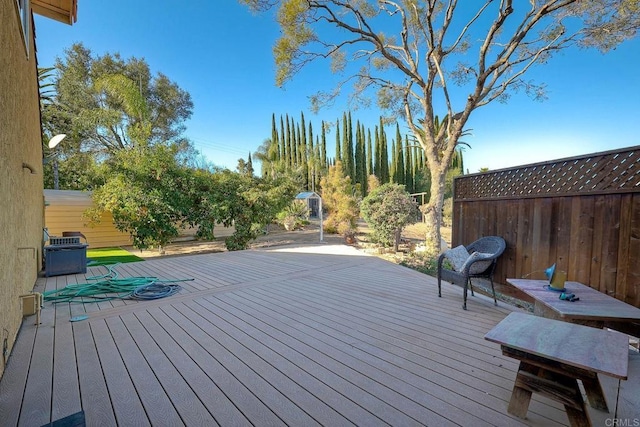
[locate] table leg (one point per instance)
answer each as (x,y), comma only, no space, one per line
(521,396)
(594,393)
(567,391)
(552,384)
(519,403)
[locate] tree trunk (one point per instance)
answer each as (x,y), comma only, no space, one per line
(396,239)
(433,211)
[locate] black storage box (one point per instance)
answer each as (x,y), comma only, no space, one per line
(65,259)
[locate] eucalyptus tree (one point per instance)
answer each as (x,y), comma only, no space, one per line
(411,54)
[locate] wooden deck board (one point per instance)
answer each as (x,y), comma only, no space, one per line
(344,376)
(36,404)
(307,380)
(191,410)
(94,394)
(123,395)
(223,382)
(270,337)
(356,337)
(66,394)
(156,402)
(14,380)
(274,399)
(216,402)
(365,335)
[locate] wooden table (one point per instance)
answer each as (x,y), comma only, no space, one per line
(594,308)
(554,355)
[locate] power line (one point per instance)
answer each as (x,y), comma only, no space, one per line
(217,146)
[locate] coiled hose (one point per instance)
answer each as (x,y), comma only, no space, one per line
(109,287)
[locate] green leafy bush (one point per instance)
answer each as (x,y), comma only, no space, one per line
(150,194)
(387,210)
(422,262)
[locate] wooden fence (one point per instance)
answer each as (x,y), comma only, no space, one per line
(582,213)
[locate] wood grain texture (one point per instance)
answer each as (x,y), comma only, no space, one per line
(596,350)
(593,305)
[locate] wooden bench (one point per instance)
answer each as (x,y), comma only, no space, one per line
(554,355)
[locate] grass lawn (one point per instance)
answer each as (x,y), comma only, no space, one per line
(106,256)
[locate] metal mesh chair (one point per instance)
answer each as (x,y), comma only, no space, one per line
(488,249)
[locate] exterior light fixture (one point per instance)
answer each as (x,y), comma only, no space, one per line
(53,142)
(56,140)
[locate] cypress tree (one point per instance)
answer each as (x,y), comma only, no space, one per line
(311,156)
(289,144)
(384,155)
(350,146)
(295,141)
(400,176)
(323,148)
(317,170)
(298,145)
(274,131)
(303,134)
(249,165)
(302,151)
(369,155)
(393,177)
(347,155)
(283,142)
(361,159)
(338,157)
(359,163)
(377,169)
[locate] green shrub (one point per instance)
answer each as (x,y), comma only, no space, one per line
(422,262)
(387,210)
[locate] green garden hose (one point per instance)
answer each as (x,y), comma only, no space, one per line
(108,287)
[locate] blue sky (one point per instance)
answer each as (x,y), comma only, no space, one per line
(221,54)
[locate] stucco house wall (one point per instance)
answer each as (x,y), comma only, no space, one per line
(21,201)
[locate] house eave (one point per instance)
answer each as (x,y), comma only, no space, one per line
(65,11)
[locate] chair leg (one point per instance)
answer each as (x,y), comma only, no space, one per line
(471,287)
(439,287)
(464,304)
(495,301)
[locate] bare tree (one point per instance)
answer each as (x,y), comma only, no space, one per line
(412,53)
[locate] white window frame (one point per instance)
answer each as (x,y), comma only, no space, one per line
(23,10)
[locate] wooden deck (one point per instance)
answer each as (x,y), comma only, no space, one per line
(321,335)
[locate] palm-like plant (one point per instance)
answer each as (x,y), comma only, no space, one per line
(120,90)
(46,86)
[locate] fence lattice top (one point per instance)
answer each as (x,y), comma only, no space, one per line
(608,172)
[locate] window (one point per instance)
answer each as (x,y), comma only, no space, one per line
(24,15)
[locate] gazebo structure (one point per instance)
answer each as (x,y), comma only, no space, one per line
(314,205)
